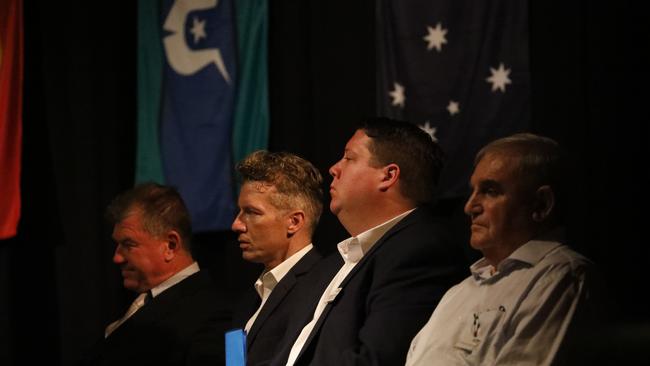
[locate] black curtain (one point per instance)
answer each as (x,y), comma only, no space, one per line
(58,287)
(79,103)
(589,92)
(321,80)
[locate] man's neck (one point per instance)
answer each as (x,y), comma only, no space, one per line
(356,223)
(495,255)
(363,222)
(295,245)
(177,265)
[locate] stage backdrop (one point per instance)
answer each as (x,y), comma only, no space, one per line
(587,84)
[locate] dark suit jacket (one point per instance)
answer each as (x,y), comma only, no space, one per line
(386,298)
(184,325)
(294,294)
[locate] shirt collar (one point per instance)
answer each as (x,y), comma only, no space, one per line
(529,254)
(354,248)
(176,278)
(269,279)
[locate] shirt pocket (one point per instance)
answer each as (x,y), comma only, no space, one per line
(480,331)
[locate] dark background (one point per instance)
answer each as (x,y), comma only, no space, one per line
(58,287)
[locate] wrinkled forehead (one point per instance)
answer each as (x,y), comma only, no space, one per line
(498,167)
(505,170)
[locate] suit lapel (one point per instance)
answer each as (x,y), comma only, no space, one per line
(406,221)
(273,301)
(281,290)
(165,302)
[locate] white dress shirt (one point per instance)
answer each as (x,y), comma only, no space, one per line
(352,250)
(269,279)
(515,314)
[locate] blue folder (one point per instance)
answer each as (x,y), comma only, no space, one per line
(236,347)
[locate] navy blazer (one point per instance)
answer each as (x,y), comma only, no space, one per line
(184,325)
(386,298)
(294,294)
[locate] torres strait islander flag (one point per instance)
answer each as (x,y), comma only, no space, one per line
(187,88)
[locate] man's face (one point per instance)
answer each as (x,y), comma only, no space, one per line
(262,227)
(499,207)
(139,254)
(354,179)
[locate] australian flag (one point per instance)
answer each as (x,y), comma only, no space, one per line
(457,68)
(198,90)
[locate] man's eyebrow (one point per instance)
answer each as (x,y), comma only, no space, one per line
(488,183)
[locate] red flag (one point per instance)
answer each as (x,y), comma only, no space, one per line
(11,95)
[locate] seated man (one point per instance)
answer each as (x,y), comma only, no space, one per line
(177,318)
(386,279)
(279,206)
(524,294)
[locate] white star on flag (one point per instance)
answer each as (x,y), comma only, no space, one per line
(435,37)
(499,78)
(431,131)
(398,95)
(198,29)
(453,107)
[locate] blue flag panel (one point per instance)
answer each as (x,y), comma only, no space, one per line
(457,68)
(197,107)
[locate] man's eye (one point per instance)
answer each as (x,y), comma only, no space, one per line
(127,244)
(249,212)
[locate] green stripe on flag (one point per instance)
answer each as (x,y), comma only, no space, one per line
(148,166)
(251,119)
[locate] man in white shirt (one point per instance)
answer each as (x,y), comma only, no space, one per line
(522,298)
(399,261)
(280,204)
(177,318)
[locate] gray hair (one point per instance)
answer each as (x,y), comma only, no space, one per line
(539,160)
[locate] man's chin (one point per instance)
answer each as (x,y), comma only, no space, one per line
(249,256)
(130,285)
(477,243)
(334,208)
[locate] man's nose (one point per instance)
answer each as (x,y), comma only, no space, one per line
(237,225)
(334,169)
(472,207)
(118,258)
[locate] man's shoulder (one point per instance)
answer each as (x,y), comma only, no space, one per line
(198,291)
(326,267)
(565,258)
(307,262)
(422,232)
(422,220)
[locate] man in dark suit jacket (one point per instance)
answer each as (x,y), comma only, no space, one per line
(399,261)
(177,319)
(280,203)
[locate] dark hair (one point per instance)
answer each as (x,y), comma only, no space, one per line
(539,161)
(420,159)
(296,180)
(162,210)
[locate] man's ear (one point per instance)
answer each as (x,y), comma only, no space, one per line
(390,175)
(544,203)
(173,245)
(295,222)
